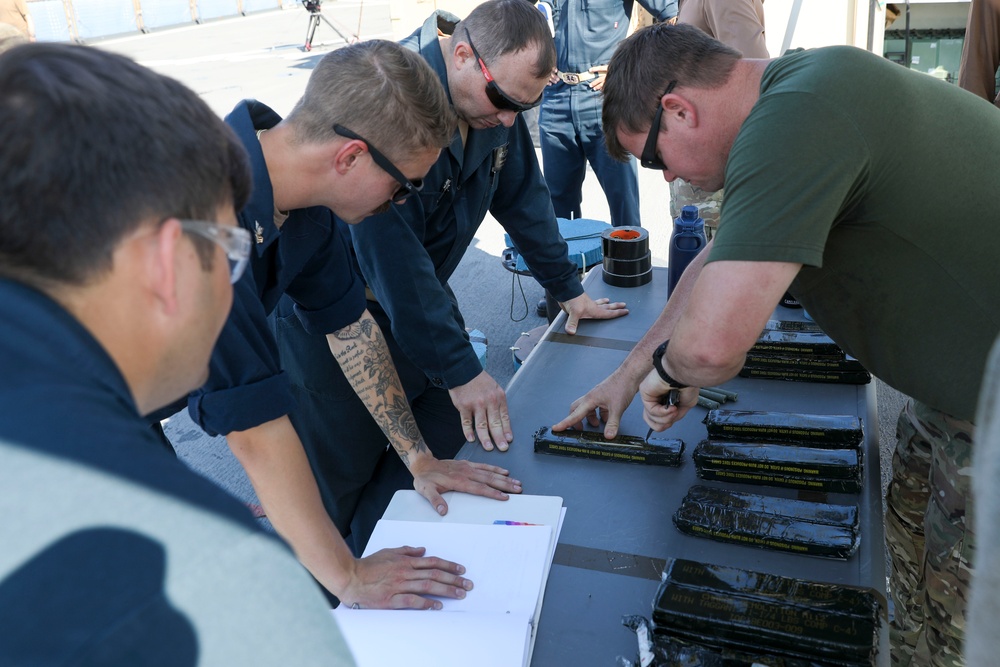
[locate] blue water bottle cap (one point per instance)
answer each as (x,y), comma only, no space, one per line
(689,215)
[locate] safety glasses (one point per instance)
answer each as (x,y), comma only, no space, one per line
(497,97)
(649,159)
(234,241)
(406,186)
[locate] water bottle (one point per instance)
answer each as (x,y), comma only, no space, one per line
(687,241)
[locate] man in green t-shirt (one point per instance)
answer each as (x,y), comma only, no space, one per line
(861,225)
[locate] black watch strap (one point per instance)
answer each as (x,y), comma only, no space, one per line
(658,365)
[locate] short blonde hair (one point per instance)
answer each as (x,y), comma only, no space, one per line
(381,91)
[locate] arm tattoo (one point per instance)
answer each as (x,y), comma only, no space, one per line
(363,356)
(377,361)
(362,327)
(399,422)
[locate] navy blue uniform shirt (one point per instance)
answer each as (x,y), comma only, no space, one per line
(408,254)
(76,588)
(63,395)
(309,260)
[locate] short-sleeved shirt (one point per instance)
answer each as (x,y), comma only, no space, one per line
(407,254)
(881,182)
(114,552)
(308,259)
(977,71)
(736,23)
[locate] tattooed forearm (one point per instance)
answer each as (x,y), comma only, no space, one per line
(376,361)
(401,420)
(363,356)
(361,328)
(398,421)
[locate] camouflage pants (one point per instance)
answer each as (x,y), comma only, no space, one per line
(929,531)
(709,204)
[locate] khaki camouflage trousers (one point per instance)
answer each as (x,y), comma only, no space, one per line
(709,204)
(929,531)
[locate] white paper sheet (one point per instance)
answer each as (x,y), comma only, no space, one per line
(434,638)
(505,563)
(465,508)
(494,626)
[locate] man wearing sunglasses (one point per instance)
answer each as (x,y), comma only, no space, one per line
(118,250)
(814,205)
(370,124)
(494,64)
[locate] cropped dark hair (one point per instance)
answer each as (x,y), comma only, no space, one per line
(380,90)
(499,27)
(643,66)
(92,146)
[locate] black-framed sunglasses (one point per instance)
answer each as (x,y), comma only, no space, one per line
(497,97)
(406,186)
(649,159)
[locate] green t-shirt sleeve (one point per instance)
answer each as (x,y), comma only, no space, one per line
(797,166)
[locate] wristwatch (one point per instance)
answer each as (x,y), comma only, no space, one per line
(658,365)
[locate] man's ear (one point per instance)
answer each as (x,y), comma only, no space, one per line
(462,54)
(345,156)
(680,108)
(162,267)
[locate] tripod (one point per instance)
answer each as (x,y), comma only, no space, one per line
(314,8)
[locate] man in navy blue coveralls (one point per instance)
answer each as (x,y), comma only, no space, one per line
(407,255)
(569,126)
(343,147)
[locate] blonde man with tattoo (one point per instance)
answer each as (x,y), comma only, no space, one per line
(371,123)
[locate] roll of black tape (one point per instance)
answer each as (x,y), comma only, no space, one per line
(627,260)
(628,267)
(628,281)
(625,242)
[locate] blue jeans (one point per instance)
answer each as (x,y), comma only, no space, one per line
(571,135)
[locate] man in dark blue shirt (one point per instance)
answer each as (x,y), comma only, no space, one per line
(371,122)
(118,247)
(494,64)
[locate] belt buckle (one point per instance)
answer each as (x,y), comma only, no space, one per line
(571,78)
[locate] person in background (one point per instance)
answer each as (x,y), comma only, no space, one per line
(569,122)
(372,121)
(118,246)
(738,24)
(586,35)
(15,13)
(494,64)
(814,207)
(977,72)
(10,37)
(892,13)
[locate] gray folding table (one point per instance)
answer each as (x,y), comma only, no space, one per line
(618,526)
